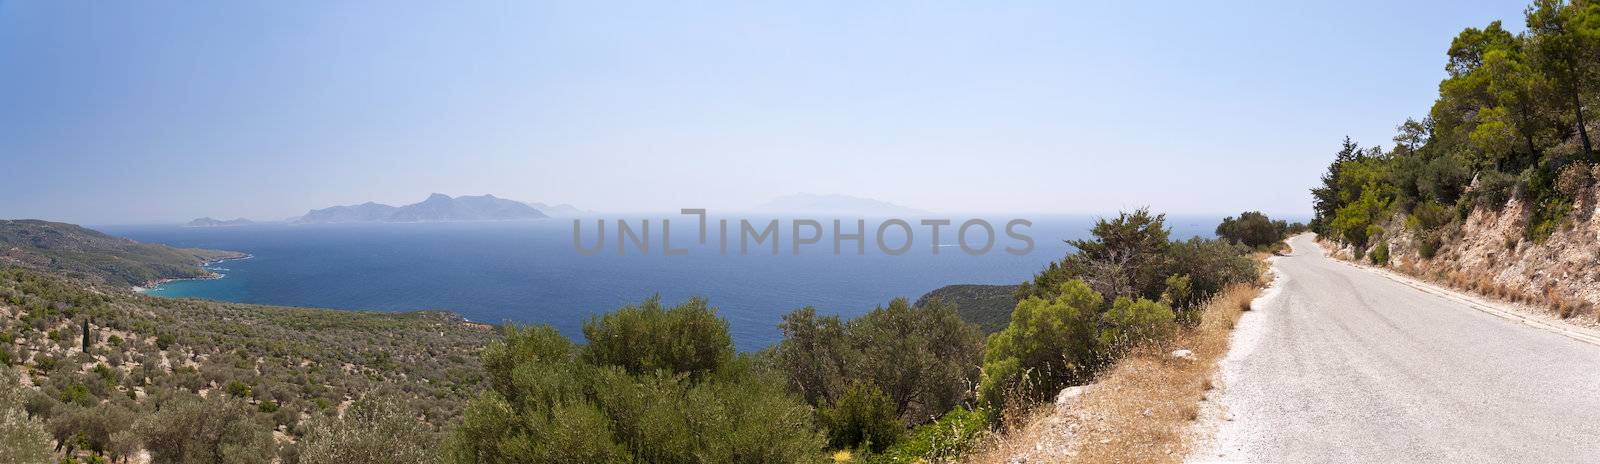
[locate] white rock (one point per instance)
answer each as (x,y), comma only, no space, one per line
(1183,354)
(1069,394)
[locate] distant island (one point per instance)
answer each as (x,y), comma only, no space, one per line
(438,207)
(834,204)
(209,222)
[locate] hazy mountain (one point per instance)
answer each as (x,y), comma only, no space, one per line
(834,204)
(209,222)
(85,253)
(436,208)
(365,212)
(561,210)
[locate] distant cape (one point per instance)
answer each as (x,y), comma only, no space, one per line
(438,207)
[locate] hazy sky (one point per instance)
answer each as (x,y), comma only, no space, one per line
(138,112)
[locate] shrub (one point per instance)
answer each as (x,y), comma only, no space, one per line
(237,389)
(1442,179)
(1428,245)
(945,440)
(924,358)
(862,418)
(1354,221)
(22,438)
(1573,179)
(688,338)
(1493,189)
(551,402)
(1252,229)
(195,430)
(1130,322)
(1210,266)
(1054,342)
(815,355)
(1547,216)
(1428,216)
(372,431)
(1380,253)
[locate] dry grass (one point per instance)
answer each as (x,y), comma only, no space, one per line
(1147,403)
(1552,296)
(1142,409)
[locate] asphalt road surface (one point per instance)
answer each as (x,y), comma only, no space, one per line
(1342,364)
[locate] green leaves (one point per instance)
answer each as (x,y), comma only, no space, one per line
(652,384)
(688,338)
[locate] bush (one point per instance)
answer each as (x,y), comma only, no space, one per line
(1547,216)
(1130,322)
(1380,253)
(1051,342)
(552,402)
(22,438)
(371,431)
(1210,265)
(1443,179)
(205,431)
(237,389)
(1354,221)
(945,440)
(924,358)
(1493,189)
(1253,229)
(688,338)
(1573,179)
(863,418)
(1428,245)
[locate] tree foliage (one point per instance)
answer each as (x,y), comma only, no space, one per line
(1252,229)
(679,398)
(372,430)
(1512,113)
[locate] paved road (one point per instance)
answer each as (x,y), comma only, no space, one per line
(1346,365)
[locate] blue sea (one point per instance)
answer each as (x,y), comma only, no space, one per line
(531,273)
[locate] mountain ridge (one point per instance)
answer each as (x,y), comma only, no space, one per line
(438,207)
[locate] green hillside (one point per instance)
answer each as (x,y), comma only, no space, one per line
(247,371)
(989,306)
(85,253)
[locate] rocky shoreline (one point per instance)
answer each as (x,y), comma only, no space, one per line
(204,265)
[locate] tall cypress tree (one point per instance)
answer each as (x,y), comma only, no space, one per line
(86,335)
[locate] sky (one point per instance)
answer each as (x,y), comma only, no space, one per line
(156,112)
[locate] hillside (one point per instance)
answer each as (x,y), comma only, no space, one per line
(273,369)
(1488,253)
(436,208)
(989,306)
(85,253)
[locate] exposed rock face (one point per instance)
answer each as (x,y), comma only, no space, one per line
(1490,253)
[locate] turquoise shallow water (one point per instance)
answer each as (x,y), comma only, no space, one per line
(529,272)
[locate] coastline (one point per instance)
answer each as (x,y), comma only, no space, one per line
(205,265)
